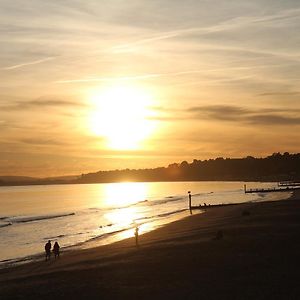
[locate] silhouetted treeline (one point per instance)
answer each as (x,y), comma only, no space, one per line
(276,167)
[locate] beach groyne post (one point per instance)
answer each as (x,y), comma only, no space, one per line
(190,200)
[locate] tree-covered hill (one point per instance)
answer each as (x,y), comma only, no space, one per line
(276,167)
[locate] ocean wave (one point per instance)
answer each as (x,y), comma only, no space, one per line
(26,219)
(5,224)
(149,202)
(54,237)
(172,212)
(64,235)
(162,214)
(130,205)
(104,235)
(165,200)
(146,201)
(6,263)
(94,209)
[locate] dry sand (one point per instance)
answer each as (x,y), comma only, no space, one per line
(257,258)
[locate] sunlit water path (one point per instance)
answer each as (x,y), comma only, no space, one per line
(97,214)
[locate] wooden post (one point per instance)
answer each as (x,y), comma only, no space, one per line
(245,188)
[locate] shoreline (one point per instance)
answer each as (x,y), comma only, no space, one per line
(180,259)
(97,242)
(94,242)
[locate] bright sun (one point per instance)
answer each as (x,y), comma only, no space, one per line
(122,116)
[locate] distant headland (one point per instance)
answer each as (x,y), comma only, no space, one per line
(276,167)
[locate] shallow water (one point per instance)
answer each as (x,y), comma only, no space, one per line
(95,214)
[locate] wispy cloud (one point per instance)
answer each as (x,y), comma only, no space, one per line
(238,114)
(273,120)
(25,64)
(230,24)
(41,141)
(159,75)
(293,93)
(99,79)
(233,114)
(40,103)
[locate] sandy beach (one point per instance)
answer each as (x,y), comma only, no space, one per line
(256,257)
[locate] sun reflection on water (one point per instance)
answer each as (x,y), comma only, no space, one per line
(124,198)
(126,207)
(124,194)
(123,216)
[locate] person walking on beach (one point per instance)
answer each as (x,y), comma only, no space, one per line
(190,200)
(136,233)
(56,250)
(48,250)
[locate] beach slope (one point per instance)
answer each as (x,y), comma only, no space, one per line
(254,256)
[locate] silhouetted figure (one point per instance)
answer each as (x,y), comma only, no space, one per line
(190,200)
(136,233)
(56,250)
(48,249)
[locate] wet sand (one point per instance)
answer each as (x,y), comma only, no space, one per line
(257,258)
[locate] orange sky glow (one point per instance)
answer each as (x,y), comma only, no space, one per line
(102,85)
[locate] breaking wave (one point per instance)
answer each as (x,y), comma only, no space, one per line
(5,224)
(165,200)
(162,215)
(26,219)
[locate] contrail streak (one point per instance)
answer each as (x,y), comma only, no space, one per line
(35,62)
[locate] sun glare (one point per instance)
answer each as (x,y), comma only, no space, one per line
(124,196)
(124,193)
(121,115)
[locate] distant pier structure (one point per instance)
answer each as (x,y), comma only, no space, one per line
(281,188)
(289,183)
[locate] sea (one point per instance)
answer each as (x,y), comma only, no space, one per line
(89,215)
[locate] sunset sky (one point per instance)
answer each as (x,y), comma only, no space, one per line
(90,85)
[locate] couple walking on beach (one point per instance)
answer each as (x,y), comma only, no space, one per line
(55,250)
